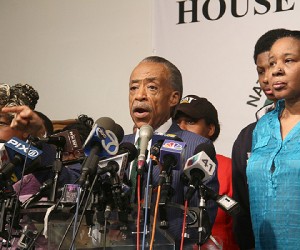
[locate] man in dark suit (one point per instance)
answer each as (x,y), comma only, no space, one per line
(155,89)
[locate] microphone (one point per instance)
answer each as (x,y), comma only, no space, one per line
(208,148)
(116,166)
(131,153)
(157,137)
(127,153)
(146,132)
(199,167)
(119,132)
(104,136)
(70,142)
(157,142)
(109,124)
(171,158)
(171,154)
(101,143)
(17,151)
(225,202)
(5,185)
(42,190)
(3,155)
(121,160)
(58,141)
(111,166)
(127,147)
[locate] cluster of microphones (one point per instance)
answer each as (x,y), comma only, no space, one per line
(105,156)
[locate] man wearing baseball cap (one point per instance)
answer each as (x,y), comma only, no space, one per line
(196,114)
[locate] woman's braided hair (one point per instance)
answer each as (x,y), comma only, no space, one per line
(18,94)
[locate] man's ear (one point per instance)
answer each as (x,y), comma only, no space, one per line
(211,129)
(174,98)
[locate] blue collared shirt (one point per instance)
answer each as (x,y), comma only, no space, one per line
(273,174)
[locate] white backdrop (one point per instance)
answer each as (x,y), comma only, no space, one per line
(216,56)
(79,54)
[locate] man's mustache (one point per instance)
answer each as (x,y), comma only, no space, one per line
(141,106)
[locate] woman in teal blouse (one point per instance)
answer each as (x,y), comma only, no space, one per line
(273,169)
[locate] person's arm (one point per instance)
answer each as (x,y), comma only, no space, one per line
(26,120)
(242,225)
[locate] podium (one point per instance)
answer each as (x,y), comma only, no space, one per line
(115,239)
(87,238)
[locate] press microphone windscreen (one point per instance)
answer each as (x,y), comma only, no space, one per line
(119,132)
(127,147)
(109,124)
(145,135)
(208,148)
(106,123)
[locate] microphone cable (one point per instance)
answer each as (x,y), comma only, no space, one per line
(106,216)
(146,203)
(72,220)
(138,212)
(76,215)
(83,211)
(183,224)
(43,188)
(155,159)
(18,195)
(39,233)
(155,217)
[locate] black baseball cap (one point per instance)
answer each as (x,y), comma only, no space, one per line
(197,108)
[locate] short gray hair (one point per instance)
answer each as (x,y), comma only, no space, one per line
(176,78)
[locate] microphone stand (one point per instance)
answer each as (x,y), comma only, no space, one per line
(204,227)
(83,212)
(166,192)
(43,189)
(53,183)
(140,169)
(8,201)
(57,167)
(147,203)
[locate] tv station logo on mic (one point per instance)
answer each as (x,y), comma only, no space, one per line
(107,139)
(23,148)
(173,145)
(202,161)
(207,162)
(175,148)
(19,150)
